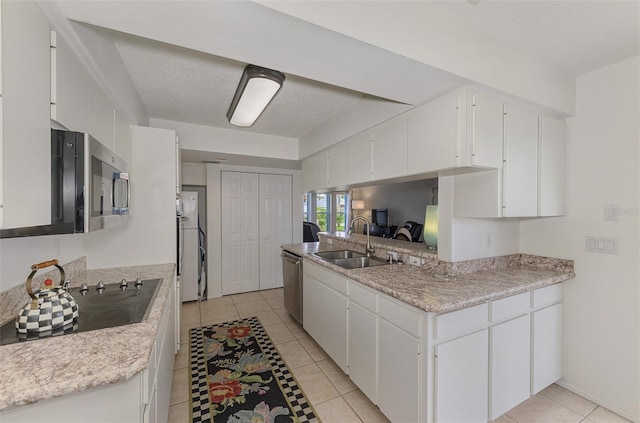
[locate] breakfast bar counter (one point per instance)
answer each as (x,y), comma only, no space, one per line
(437,286)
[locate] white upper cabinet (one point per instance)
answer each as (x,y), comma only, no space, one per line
(337,165)
(26,137)
(484,129)
(314,172)
(531,181)
(551,167)
(435,133)
(77,101)
(389,150)
(520,168)
(71,86)
(359,158)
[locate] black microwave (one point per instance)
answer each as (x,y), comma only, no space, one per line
(90,187)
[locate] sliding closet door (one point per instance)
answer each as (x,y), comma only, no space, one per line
(240,232)
(275,226)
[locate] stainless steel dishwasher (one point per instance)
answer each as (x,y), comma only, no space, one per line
(292,282)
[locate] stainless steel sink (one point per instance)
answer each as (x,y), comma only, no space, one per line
(349,259)
(337,255)
(359,262)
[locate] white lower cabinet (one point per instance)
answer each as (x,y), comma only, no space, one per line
(399,393)
(363,350)
(510,364)
(325,311)
(461,372)
(312,306)
(334,326)
(468,365)
(547,347)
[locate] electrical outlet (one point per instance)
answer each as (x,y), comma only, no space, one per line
(488,240)
(56,247)
(414,261)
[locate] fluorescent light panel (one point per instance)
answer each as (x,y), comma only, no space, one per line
(257,88)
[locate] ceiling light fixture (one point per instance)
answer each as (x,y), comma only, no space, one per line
(255,91)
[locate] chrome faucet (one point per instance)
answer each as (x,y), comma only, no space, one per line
(370,249)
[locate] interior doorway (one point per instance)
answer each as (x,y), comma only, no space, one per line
(202,215)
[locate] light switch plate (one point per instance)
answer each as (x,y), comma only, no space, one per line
(597,244)
(611,212)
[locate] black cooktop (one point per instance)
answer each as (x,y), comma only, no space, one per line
(112,307)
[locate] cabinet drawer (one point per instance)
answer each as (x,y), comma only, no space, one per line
(400,315)
(511,306)
(548,295)
(363,296)
(327,277)
(461,322)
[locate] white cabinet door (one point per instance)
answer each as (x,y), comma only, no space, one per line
(435,133)
(510,364)
(314,172)
(389,150)
(363,351)
(275,226)
(240,234)
(462,379)
(337,165)
(71,89)
(312,307)
(335,326)
(547,347)
(520,171)
(552,167)
(359,158)
(26,145)
(399,374)
(484,129)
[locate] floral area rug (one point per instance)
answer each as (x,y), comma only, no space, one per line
(238,376)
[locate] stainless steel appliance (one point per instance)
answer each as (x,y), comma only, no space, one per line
(99,306)
(90,187)
(292,282)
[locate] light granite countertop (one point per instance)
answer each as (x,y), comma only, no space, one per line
(36,370)
(440,287)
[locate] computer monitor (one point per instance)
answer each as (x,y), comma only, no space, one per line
(379,216)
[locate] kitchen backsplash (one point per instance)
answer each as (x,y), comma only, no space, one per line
(429,259)
(13,299)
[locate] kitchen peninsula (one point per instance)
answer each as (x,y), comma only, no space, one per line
(441,341)
(81,376)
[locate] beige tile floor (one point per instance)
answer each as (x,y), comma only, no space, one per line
(335,398)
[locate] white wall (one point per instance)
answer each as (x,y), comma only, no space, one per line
(221,140)
(149,236)
(602,303)
(18,254)
(424,32)
(364,114)
(466,239)
(194,174)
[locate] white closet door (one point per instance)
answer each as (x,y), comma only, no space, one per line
(275,226)
(240,234)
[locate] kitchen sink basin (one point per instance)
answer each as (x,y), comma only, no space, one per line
(349,259)
(359,262)
(337,255)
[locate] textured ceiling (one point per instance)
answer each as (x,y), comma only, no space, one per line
(184,85)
